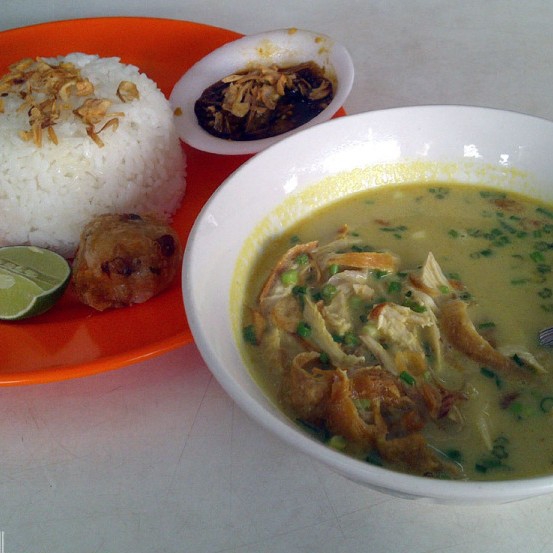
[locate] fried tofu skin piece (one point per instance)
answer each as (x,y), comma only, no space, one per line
(461,333)
(123,259)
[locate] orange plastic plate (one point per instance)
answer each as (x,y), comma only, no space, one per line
(73,340)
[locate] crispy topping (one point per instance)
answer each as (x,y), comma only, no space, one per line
(49,92)
(93,110)
(113,123)
(127,91)
(265,100)
(261,89)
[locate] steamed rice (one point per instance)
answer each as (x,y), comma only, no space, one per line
(48,193)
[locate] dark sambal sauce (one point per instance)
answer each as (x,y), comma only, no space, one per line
(264,102)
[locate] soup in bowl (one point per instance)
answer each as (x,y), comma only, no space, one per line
(371,291)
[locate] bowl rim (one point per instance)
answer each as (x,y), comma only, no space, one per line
(379,478)
(201,75)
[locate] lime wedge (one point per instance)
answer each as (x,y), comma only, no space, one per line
(32,280)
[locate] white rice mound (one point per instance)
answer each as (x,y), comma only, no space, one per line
(48,193)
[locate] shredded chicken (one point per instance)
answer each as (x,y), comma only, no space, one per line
(322,338)
(430,279)
(360,345)
(401,326)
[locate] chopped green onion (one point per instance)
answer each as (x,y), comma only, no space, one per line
(350,339)
(500,451)
(414,306)
(324,358)
(537,257)
(328,292)
(488,463)
(337,442)
(333,269)
(454,455)
(299,290)
(486,325)
(316,431)
(370,329)
(541,246)
(546,404)
(488,373)
(492,195)
(407,378)
(289,277)
(439,192)
(509,228)
(303,329)
(492,375)
(302,259)
(394,286)
(545,212)
(501,241)
(399,228)
(518,410)
(355,302)
(316,296)
(248,333)
(378,274)
(374,458)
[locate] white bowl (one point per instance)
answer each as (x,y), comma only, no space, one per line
(283,47)
(507,150)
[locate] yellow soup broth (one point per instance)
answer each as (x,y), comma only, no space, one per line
(496,251)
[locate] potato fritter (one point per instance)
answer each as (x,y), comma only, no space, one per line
(124,259)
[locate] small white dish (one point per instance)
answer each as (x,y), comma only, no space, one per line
(314,168)
(283,47)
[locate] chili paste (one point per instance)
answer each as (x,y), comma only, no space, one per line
(263,102)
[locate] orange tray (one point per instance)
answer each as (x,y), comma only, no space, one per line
(72,340)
